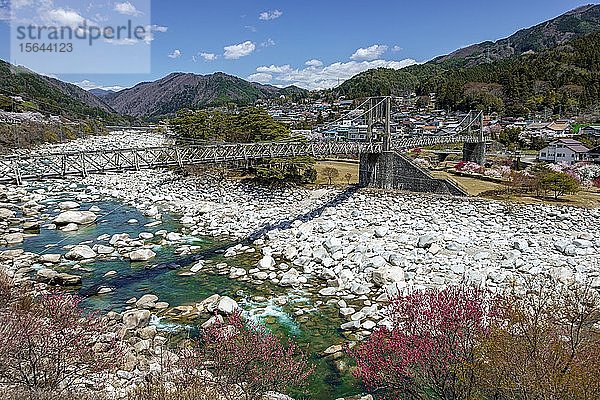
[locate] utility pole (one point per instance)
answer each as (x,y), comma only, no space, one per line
(14,126)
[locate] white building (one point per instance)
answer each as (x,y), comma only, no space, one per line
(358,133)
(569,151)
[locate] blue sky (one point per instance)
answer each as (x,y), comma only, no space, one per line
(313,44)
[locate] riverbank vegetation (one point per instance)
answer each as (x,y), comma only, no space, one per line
(541,341)
(250,125)
(47,343)
(51,347)
(30,134)
(538,342)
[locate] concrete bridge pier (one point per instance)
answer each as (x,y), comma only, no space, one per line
(376,170)
(474,152)
(393,171)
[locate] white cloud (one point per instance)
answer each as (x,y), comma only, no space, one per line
(208,56)
(5,13)
(62,17)
(268,43)
(275,69)
(396,49)
(314,63)
(159,28)
(270,15)
(260,77)
(236,51)
(369,53)
(87,85)
(175,54)
(325,77)
(250,28)
(150,30)
(16,4)
(149,36)
(126,8)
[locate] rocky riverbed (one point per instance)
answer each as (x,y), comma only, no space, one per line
(358,249)
(121,139)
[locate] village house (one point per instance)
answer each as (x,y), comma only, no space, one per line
(593,130)
(569,151)
(594,155)
(560,128)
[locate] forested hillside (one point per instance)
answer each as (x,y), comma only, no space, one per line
(565,78)
(541,37)
(48,95)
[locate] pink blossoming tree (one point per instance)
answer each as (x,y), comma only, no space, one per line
(428,350)
(245,361)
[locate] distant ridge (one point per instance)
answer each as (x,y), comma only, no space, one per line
(552,66)
(186,90)
(100,92)
(547,35)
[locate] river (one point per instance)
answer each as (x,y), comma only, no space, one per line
(292,313)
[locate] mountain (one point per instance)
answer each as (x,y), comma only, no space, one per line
(185,90)
(547,35)
(49,95)
(561,74)
(101,92)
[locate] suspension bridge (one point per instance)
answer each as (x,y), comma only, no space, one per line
(375,156)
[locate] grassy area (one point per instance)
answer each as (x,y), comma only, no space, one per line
(585,198)
(343,168)
(474,186)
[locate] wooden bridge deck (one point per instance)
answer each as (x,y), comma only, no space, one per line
(58,165)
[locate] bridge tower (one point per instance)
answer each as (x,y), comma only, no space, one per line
(370,121)
(387,137)
(475,152)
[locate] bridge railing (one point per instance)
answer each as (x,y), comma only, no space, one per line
(52,165)
(56,165)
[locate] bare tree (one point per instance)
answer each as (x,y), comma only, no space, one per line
(242,360)
(544,345)
(331,173)
(348,176)
(47,343)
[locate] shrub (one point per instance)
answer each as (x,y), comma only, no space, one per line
(50,136)
(245,361)
(6,289)
(20,394)
(48,343)
(348,177)
(543,345)
(520,181)
(559,183)
(469,167)
(540,342)
(428,349)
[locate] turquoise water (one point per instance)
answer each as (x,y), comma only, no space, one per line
(314,330)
